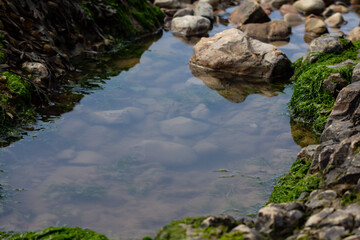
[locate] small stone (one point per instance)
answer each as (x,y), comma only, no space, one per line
(213,3)
(187,26)
(335,20)
(248,12)
(354,35)
(36,69)
(288,8)
(315,26)
(310,6)
(204,9)
(315,219)
(183,12)
(276,30)
(293,19)
(339,8)
(215,221)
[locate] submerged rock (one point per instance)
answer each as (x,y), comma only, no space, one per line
(234,52)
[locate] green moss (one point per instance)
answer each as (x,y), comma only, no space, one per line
(310,102)
(291,185)
(56,233)
(174,231)
(350,198)
(132,18)
(232,236)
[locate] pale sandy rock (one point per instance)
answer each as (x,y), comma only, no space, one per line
(187,26)
(335,20)
(310,6)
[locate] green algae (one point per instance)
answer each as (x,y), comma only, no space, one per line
(56,233)
(174,231)
(296,181)
(310,102)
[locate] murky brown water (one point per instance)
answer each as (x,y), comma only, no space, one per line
(153,145)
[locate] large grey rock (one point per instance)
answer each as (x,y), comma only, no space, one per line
(270,31)
(324,44)
(204,9)
(234,52)
(310,6)
(332,233)
(320,199)
(279,219)
(338,218)
(187,26)
(249,11)
(316,219)
(315,27)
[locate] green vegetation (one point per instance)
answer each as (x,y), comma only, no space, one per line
(295,182)
(15,100)
(350,198)
(132,18)
(310,102)
(174,231)
(56,233)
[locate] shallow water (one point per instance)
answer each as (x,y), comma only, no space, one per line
(153,144)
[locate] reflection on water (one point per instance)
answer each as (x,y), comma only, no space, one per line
(152,145)
(155,144)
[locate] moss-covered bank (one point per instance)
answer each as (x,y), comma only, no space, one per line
(312,102)
(50,33)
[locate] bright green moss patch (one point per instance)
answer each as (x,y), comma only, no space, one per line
(295,182)
(310,102)
(175,230)
(56,233)
(351,198)
(232,236)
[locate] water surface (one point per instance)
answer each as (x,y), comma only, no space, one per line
(150,145)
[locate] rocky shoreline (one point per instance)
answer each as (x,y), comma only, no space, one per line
(320,197)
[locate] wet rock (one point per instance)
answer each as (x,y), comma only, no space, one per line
(249,11)
(307,152)
(213,3)
(278,219)
(324,44)
(249,233)
(334,83)
(335,20)
(167,3)
(234,52)
(278,3)
(215,221)
(315,220)
(204,9)
(339,8)
(182,127)
(338,218)
(184,12)
(267,8)
(346,102)
(322,156)
(315,27)
(321,199)
(187,26)
(337,131)
(272,31)
(310,6)
(332,233)
(36,69)
(354,35)
(288,8)
(293,19)
(356,74)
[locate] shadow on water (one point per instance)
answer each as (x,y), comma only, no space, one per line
(91,74)
(236,88)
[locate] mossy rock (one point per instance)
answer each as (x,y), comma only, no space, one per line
(56,233)
(296,181)
(125,19)
(311,103)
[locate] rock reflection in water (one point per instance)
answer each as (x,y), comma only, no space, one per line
(236,88)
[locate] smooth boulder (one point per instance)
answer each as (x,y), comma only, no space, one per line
(272,31)
(315,27)
(310,6)
(188,26)
(335,20)
(232,51)
(204,9)
(248,12)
